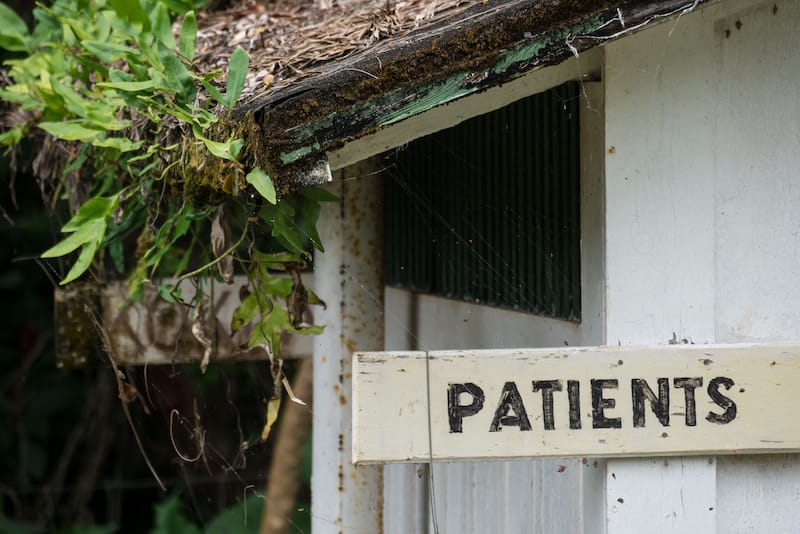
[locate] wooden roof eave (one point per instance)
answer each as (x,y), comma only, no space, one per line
(404,77)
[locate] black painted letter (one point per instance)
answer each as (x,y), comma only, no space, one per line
(510,400)
(547,387)
(574,396)
(721,400)
(689,385)
(599,404)
(455,411)
(640,391)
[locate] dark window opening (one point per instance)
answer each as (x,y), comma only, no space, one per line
(488,211)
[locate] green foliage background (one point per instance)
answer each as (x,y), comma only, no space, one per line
(102,105)
(110,90)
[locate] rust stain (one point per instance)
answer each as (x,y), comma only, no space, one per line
(612,150)
(342,400)
(379,503)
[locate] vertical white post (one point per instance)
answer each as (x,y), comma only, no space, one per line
(349,278)
(660,246)
(591,482)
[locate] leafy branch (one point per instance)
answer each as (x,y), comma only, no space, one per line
(111,87)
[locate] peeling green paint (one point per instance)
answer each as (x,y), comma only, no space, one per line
(422,99)
(437,95)
(530,50)
(294,155)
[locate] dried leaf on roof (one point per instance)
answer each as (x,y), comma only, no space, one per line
(293,40)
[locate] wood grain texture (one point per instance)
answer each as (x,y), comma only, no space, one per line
(744,398)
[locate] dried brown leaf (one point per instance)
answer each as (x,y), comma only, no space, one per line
(221,242)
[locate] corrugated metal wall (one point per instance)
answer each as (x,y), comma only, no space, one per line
(488,211)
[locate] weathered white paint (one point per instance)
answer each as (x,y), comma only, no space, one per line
(756,132)
(464,325)
(703,116)
(431,322)
(346,498)
(660,239)
(758,494)
(700,241)
(530,495)
(405,497)
(659,195)
(682,499)
(593,243)
(759,385)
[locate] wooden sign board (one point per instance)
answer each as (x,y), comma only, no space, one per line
(606,401)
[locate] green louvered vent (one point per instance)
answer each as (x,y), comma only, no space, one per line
(488,211)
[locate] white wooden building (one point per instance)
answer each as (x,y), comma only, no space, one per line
(689,228)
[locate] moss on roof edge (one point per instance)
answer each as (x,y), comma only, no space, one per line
(287,134)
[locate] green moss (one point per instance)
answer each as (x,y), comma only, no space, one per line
(286,136)
(77,340)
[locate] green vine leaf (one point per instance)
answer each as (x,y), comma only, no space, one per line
(188,36)
(177,75)
(108,52)
(123,144)
(318,194)
(88,73)
(13,31)
(273,325)
(93,209)
(245,313)
(83,262)
(87,229)
(237,72)
(86,233)
(132,11)
(70,131)
(213,92)
(133,87)
(228,150)
(275,261)
(162,27)
(282,218)
(263,184)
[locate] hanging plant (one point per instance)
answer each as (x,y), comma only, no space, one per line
(109,92)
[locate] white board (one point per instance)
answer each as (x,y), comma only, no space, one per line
(574,401)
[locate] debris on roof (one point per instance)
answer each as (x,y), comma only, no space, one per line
(322,77)
(290,40)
